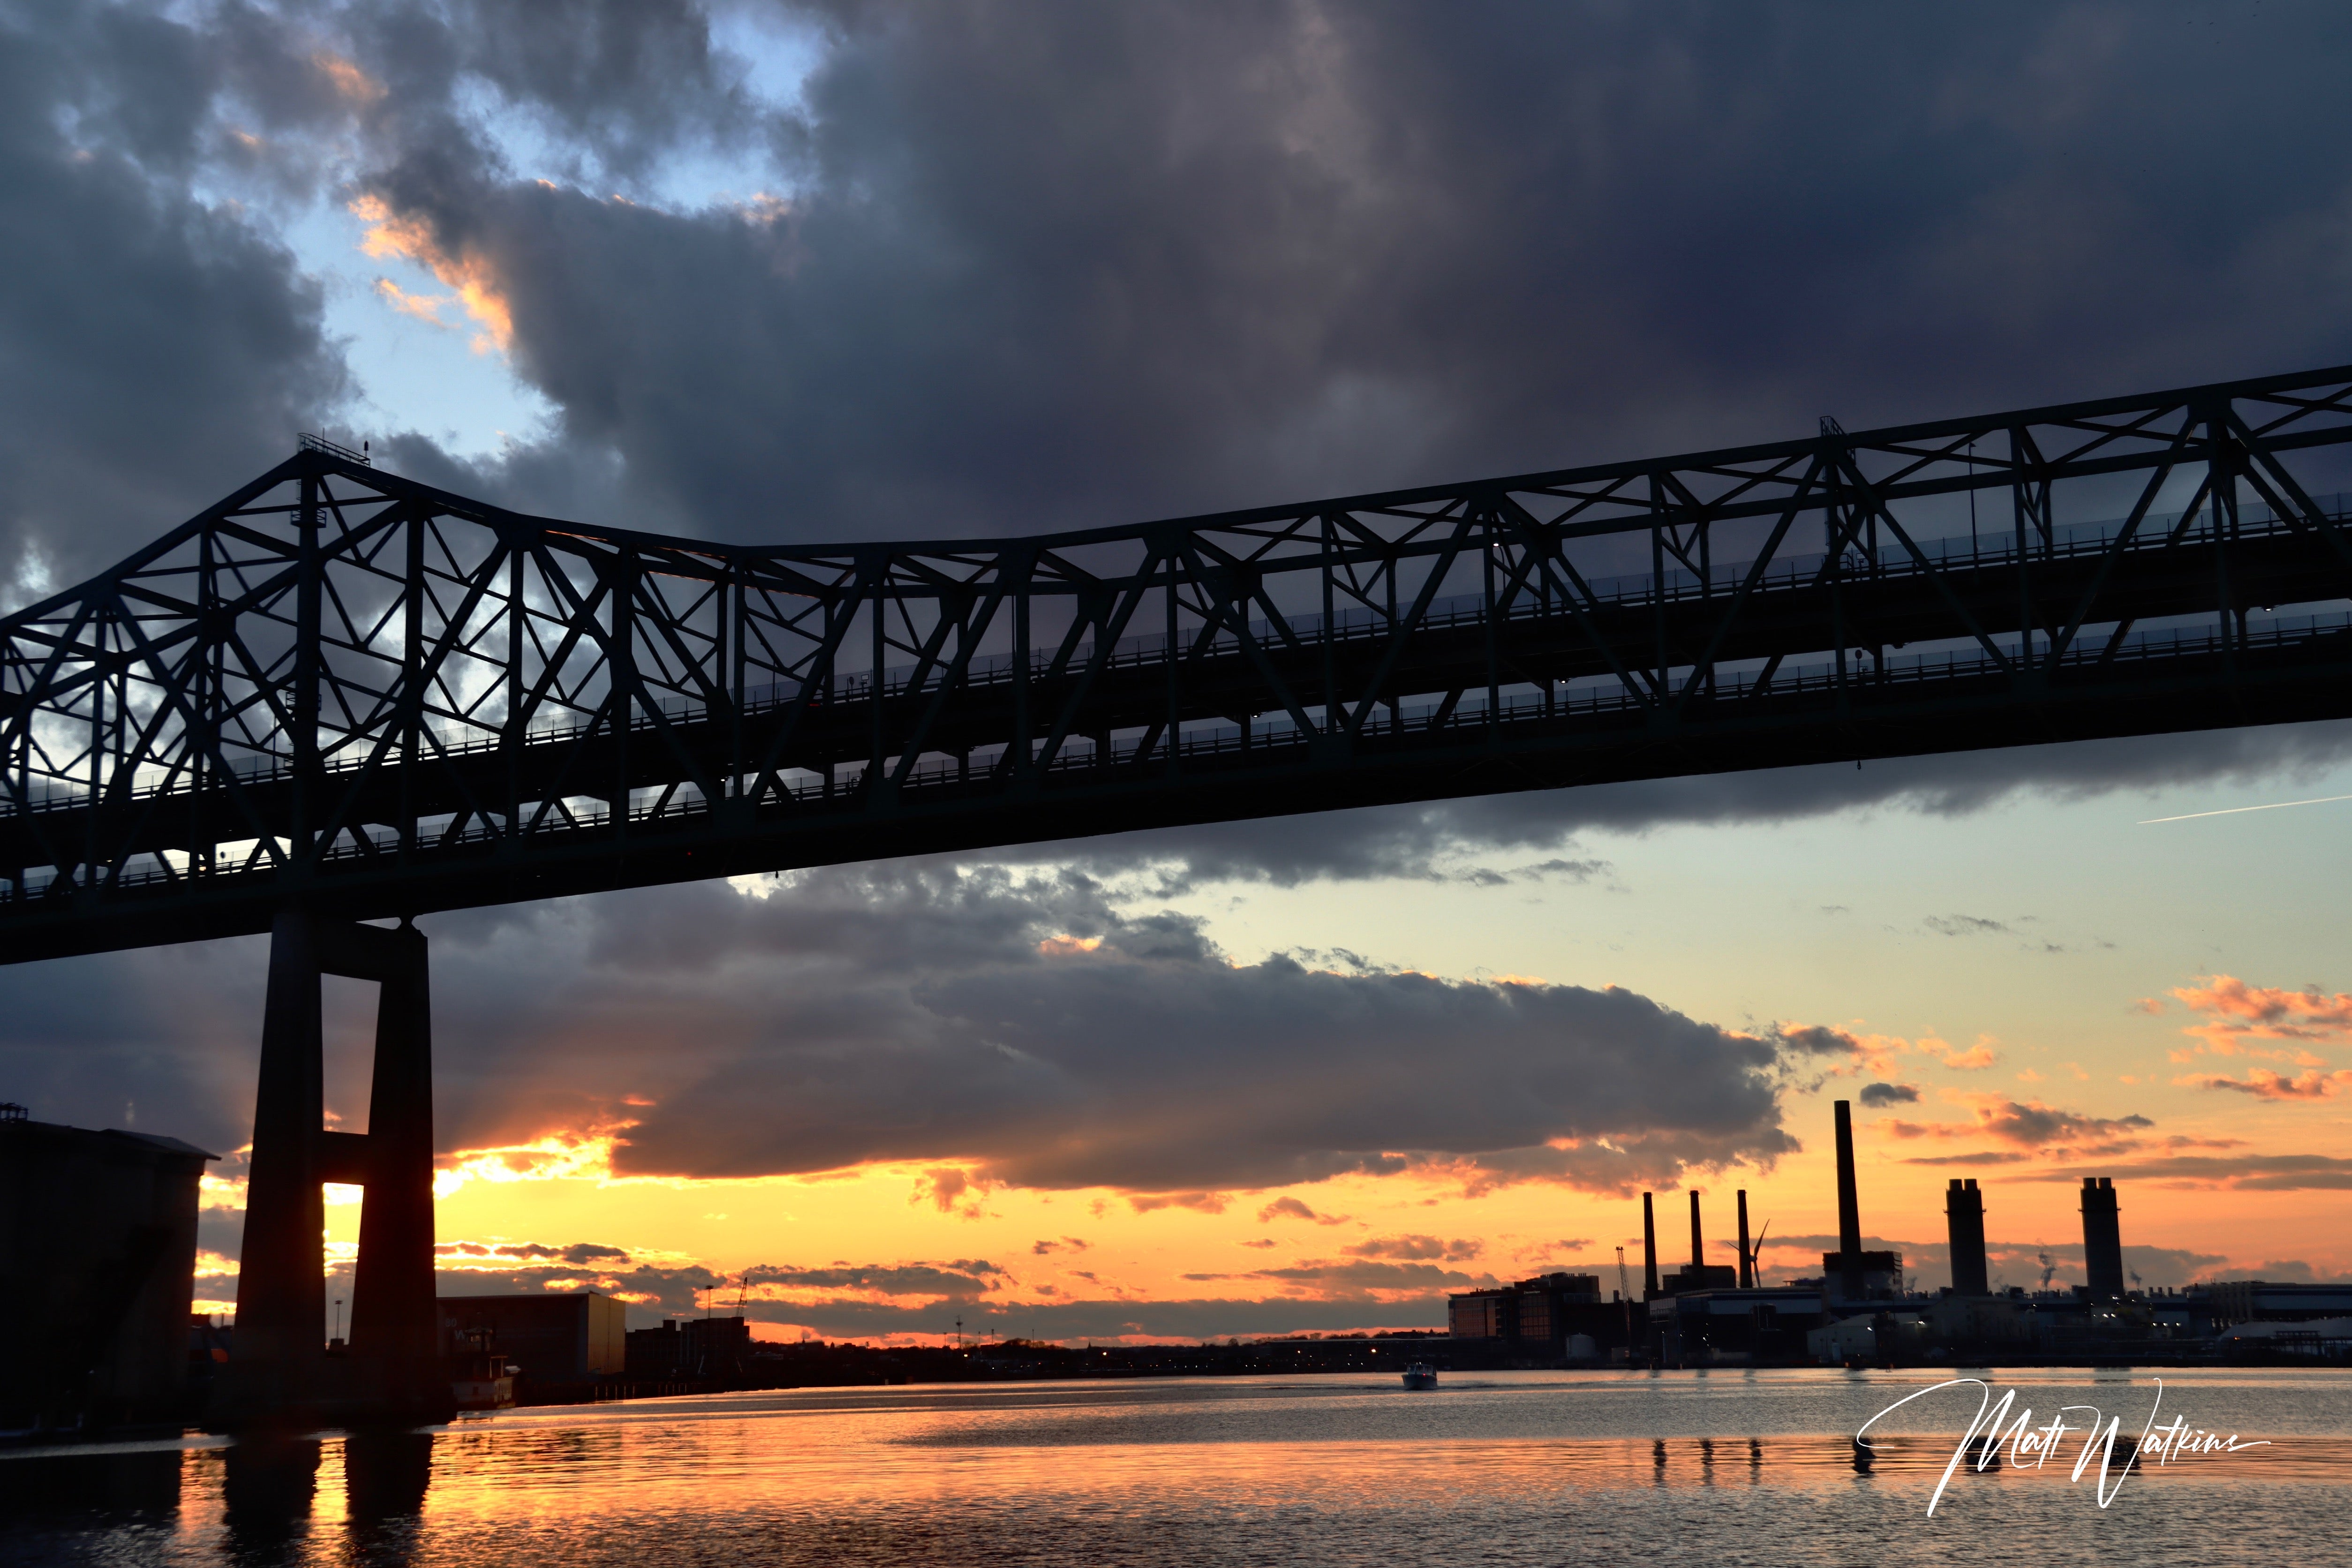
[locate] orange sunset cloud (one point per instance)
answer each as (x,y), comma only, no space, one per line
(467,272)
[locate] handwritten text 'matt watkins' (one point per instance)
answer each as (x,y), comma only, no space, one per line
(2030,1447)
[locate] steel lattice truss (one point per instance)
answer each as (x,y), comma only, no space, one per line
(346,689)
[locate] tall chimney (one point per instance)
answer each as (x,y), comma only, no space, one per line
(2103,1242)
(1649,1249)
(1848,1206)
(1964,1223)
(1747,1273)
(1698,1244)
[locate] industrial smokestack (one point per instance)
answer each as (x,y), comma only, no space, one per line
(1747,1274)
(1698,1242)
(1649,1249)
(1964,1224)
(1848,1206)
(2103,1242)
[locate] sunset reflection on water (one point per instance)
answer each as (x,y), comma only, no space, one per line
(1504,1468)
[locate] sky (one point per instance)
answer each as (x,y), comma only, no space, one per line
(800,273)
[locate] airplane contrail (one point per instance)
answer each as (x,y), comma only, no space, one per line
(2233,811)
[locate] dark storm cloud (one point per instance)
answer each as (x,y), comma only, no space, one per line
(154,349)
(992,1024)
(1884,1094)
(612,85)
(1050,263)
(160,1041)
(1025,1028)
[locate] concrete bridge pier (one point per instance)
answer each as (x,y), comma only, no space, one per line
(281,1371)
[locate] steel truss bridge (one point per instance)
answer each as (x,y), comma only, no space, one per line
(343,690)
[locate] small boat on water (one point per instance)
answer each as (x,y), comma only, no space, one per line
(481,1377)
(1421,1375)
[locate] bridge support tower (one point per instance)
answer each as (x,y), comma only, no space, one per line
(281,1371)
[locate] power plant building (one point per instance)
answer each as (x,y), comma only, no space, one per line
(2232,1302)
(1862,1309)
(1729,1325)
(1880,1275)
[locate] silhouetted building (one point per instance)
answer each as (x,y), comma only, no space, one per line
(2103,1245)
(1700,1277)
(98,1264)
(1727,1324)
(2229,1301)
(554,1337)
(1539,1314)
(1964,1224)
(1880,1273)
(1480,1315)
(690,1348)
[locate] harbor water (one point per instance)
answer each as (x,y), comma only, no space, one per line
(1719,1468)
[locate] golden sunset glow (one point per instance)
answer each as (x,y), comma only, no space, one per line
(468,275)
(564,1154)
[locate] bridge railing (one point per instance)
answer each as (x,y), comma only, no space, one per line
(2070,541)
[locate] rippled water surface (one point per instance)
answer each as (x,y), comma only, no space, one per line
(1532,1468)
